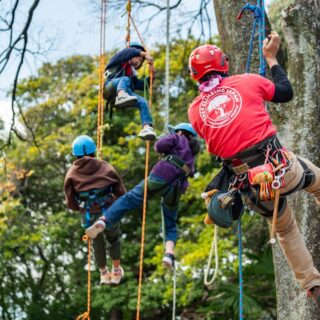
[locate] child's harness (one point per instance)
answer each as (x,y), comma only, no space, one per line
(95,198)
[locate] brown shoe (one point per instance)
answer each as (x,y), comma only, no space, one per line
(315,294)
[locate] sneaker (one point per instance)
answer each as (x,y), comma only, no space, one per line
(315,294)
(95,229)
(168,260)
(116,275)
(124,100)
(105,277)
(147,134)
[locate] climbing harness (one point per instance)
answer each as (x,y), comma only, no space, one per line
(94,198)
(86,315)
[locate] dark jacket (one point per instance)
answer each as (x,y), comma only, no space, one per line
(90,173)
(119,66)
(177,145)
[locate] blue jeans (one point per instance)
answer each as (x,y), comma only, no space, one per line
(134,198)
(124,83)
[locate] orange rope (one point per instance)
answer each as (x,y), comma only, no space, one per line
(86,315)
(102,63)
(138,33)
(144,213)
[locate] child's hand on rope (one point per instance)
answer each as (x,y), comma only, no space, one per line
(147,56)
(270,48)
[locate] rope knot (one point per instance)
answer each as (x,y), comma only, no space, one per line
(253,8)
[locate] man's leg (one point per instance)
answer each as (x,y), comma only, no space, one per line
(131,200)
(295,250)
(314,188)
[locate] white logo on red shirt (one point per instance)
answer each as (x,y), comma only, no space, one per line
(220,106)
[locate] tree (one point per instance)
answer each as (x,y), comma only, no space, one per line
(301,36)
(17,43)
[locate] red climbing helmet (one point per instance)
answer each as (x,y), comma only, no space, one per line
(207,58)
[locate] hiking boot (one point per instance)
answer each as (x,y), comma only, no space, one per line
(147,134)
(116,275)
(124,100)
(105,277)
(168,261)
(95,229)
(315,294)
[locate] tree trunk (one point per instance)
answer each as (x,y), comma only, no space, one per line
(235,35)
(300,133)
(299,124)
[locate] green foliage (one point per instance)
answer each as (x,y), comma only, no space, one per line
(42,254)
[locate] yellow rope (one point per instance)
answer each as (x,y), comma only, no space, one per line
(86,315)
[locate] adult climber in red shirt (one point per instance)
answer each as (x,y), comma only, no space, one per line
(230,115)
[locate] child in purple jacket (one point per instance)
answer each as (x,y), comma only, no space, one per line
(168,178)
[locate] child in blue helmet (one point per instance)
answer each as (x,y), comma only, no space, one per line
(122,80)
(168,179)
(92,185)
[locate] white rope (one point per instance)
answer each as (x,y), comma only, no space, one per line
(174,292)
(167,71)
(214,248)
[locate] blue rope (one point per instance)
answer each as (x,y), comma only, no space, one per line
(240,270)
(259,18)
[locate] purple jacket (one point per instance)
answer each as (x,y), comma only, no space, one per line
(177,145)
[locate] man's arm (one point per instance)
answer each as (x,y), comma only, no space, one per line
(283,89)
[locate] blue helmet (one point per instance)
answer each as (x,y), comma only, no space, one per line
(137,45)
(83,145)
(186,127)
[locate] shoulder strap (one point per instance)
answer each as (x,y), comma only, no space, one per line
(178,162)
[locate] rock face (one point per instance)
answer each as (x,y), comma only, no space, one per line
(297,123)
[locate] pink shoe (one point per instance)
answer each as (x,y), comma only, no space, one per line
(95,229)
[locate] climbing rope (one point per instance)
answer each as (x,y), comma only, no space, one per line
(128,23)
(214,249)
(167,72)
(86,315)
(240,270)
(258,12)
(102,62)
(144,213)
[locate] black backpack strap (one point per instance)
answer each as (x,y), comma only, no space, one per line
(178,162)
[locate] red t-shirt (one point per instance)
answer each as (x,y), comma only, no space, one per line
(232,117)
